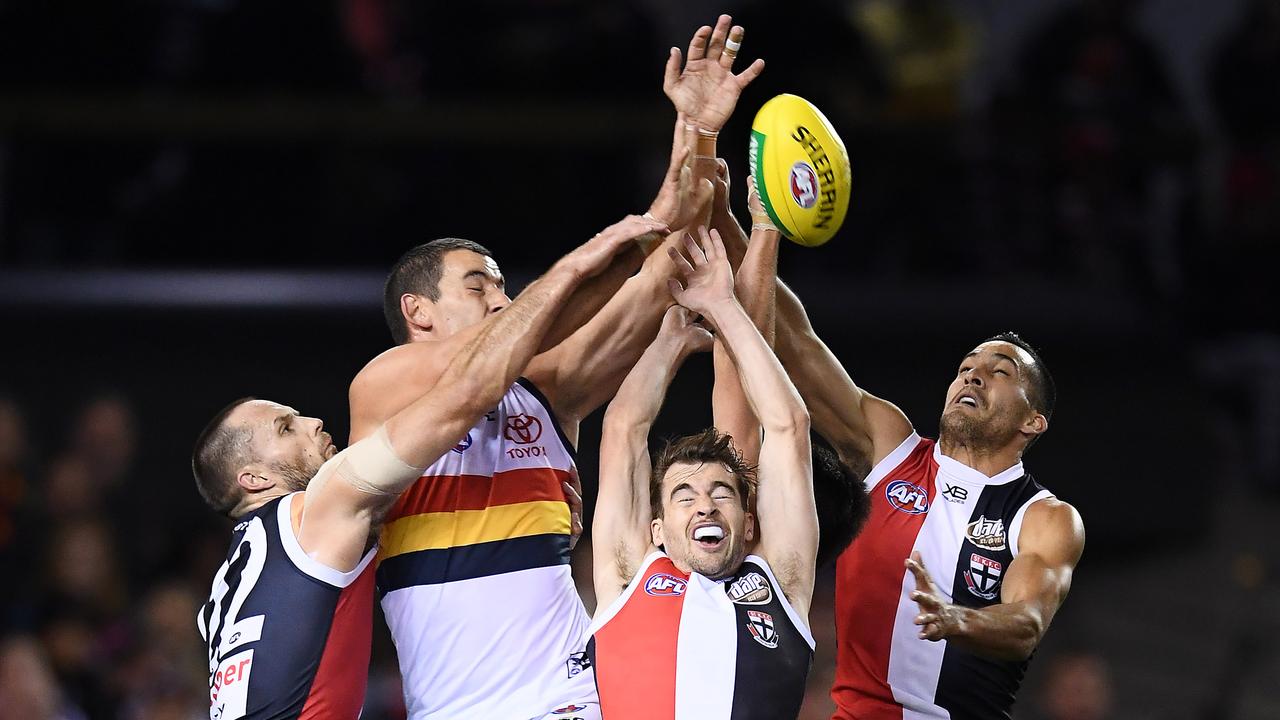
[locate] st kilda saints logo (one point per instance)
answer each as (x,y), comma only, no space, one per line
(523,429)
(750,589)
(804,185)
(986,534)
(983,576)
(760,625)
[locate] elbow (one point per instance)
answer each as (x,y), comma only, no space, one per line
(1025,639)
(793,420)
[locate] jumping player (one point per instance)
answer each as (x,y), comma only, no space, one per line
(965,559)
(473,569)
(688,624)
(287,624)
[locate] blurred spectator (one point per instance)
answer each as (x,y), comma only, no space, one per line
(1098,146)
(28,690)
(15,483)
(105,437)
(1078,688)
(927,49)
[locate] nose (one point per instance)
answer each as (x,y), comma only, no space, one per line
(498,302)
(973,378)
(319,425)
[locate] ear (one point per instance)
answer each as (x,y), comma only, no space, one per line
(251,482)
(655,532)
(751,527)
(1035,425)
(416,311)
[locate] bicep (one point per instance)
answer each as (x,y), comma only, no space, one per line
(787,515)
(1050,545)
(620,527)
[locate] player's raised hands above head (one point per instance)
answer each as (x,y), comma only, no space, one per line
(704,279)
(681,197)
(593,256)
(707,90)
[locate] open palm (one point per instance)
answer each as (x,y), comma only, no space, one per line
(707,90)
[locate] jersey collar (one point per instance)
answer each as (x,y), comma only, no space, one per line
(959,471)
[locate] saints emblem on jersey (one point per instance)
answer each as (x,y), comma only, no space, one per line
(760,625)
(983,576)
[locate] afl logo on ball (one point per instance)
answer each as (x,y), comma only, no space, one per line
(804,185)
(664,585)
(906,497)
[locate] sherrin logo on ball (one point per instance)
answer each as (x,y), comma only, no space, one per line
(796,154)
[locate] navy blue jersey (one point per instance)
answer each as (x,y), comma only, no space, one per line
(286,637)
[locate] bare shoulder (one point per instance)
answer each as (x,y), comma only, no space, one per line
(392,380)
(1053,527)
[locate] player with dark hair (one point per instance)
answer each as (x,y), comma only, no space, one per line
(288,621)
(689,622)
(474,557)
(952,640)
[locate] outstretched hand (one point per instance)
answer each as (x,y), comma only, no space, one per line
(707,90)
(593,256)
(938,618)
(704,279)
(681,325)
(680,198)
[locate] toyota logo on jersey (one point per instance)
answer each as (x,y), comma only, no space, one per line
(523,429)
(664,585)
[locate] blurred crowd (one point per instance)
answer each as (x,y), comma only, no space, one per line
(97,610)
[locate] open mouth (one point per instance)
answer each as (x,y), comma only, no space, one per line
(967,401)
(708,537)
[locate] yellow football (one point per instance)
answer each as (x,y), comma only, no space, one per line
(801,169)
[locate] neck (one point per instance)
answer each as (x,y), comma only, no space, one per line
(249,504)
(988,461)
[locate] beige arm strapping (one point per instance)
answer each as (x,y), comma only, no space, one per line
(370,466)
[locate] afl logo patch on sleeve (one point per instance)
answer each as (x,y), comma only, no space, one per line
(664,585)
(750,589)
(907,497)
(760,625)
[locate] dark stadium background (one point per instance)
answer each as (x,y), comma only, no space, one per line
(198,199)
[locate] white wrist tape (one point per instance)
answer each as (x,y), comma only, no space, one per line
(372,466)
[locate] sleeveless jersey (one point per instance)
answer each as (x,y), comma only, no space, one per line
(685,647)
(286,636)
(474,573)
(966,527)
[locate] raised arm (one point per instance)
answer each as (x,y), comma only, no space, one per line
(620,530)
(353,490)
(585,371)
(754,285)
(399,376)
(1034,587)
(784,505)
(861,427)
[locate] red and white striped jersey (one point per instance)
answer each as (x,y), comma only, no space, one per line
(676,646)
(966,527)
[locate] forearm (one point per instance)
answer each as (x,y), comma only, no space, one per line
(640,396)
(590,296)
(1008,631)
(771,395)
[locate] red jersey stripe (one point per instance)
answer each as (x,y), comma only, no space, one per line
(868,588)
(446,493)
